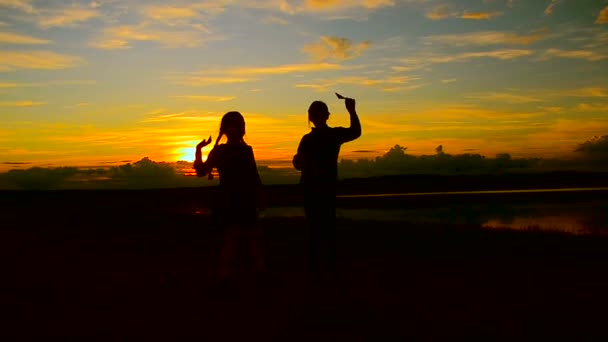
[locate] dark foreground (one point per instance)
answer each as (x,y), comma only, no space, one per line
(147,276)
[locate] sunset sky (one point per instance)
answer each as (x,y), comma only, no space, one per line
(103,82)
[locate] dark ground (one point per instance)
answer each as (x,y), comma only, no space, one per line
(113,267)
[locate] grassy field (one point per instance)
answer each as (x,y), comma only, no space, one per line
(105,267)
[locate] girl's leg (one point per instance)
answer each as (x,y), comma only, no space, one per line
(228,253)
(257,248)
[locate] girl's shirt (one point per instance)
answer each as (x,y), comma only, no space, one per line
(236,167)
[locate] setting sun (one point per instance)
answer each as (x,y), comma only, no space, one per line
(187,150)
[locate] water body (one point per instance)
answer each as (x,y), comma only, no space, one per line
(587,216)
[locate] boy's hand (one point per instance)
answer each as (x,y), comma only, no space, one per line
(204,143)
(350,105)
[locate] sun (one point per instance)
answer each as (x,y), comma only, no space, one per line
(186,152)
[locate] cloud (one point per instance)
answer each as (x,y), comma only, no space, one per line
(588,55)
(446,11)
(22,5)
(550,8)
(205,98)
(480,15)
(285,69)
(392,83)
(441,12)
(21,103)
(44,60)
(587,92)
(586,107)
(8,85)
(181,16)
(293,7)
(14,38)
(186,115)
(194,80)
(336,48)
(47,83)
(275,20)
(505,54)
(486,38)
(67,17)
(504,97)
(247,74)
(602,18)
(119,37)
(168,13)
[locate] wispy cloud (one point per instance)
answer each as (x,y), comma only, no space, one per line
(13,60)
(473,113)
(586,107)
(119,37)
(14,38)
(205,98)
(505,54)
(588,55)
(67,16)
(8,85)
(285,69)
(441,12)
(191,15)
(486,38)
(47,83)
(273,19)
(391,83)
(480,15)
(195,80)
(602,17)
(446,11)
(186,115)
(22,5)
(587,92)
(170,13)
(549,10)
(247,74)
(504,97)
(329,6)
(21,103)
(336,48)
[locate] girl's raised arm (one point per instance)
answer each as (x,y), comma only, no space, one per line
(202,168)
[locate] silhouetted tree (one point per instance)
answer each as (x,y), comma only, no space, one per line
(439,150)
(596,146)
(38,178)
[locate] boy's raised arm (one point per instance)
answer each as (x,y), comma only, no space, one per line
(354,131)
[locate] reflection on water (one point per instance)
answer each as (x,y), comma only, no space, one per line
(563,223)
(589,218)
(576,217)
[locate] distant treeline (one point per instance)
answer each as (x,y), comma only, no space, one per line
(591,156)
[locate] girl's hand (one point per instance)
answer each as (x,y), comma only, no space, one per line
(204,143)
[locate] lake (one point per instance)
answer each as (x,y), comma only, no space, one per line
(580,211)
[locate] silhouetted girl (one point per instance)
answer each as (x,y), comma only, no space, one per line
(235,208)
(317,159)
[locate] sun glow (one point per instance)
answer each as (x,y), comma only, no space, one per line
(187,150)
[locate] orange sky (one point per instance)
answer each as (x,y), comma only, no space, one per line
(105,82)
